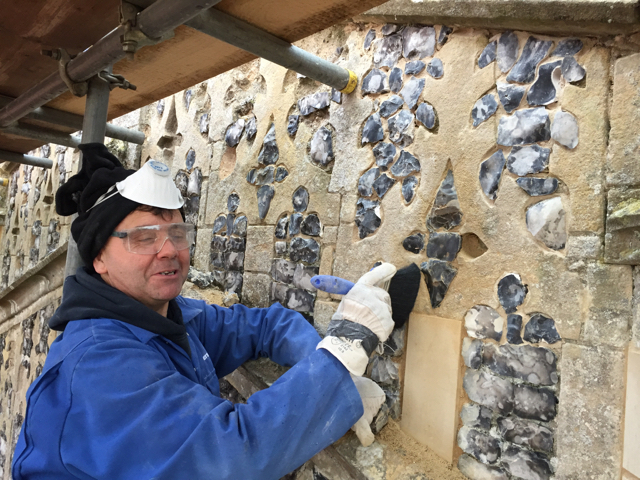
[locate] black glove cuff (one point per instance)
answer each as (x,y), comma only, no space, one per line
(354,331)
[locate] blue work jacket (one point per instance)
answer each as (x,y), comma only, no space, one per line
(115,401)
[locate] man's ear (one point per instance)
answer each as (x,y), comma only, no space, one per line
(98,263)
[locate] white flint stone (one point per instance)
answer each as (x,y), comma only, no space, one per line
(482,321)
(546,222)
(565,130)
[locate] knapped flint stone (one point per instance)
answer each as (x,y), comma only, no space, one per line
(426,115)
(294,223)
(399,129)
(414,68)
(234,132)
(191,208)
(204,123)
(546,222)
(388,52)
(365,183)
(190,159)
(336,96)
(234,261)
(372,131)
(375,82)
(233,282)
(390,28)
(217,259)
(233,202)
(479,444)
(444,246)
(384,154)
(384,371)
(507,51)
(567,47)
(281,174)
(395,80)
(435,68)
(409,185)
(443,36)
(472,352)
(311,225)
(534,365)
(438,275)
(538,186)
(282,270)
(237,244)
(188,95)
(446,207)
(371,36)
(195,182)
(530,159)
(281,227)
(391,106)
(302,277)
(304,250)
(476,416)
(489,390)
(313,102)
(367,216)
(292,126)
(471,468)
(414,243)
(482,321)
(279,293)
(240,226)
(394,346)
(514,327)
(382,184)
(219,243)
(491,173)
(483,109)
(511,292)
(412,90)
(230,219)
(265,195)
(406,165)
(251,128)
(160,107)
(321,148)
(182,182)
(572,71)
(418,42)
(488,55)
(534,403)
(251,176)
(541,328)
(269,152)
(528,434)
(526,126)
(565,130)
(264,176)
(220,225)
(533,53)
(510,96)
(299,300)
(281,249)
(526,465)
(300,199)
(544,89)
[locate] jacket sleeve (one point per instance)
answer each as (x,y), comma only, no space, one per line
(132,416)
(237,334)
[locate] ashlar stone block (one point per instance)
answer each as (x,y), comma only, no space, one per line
(631,458)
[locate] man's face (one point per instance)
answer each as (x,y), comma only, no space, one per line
(153,280)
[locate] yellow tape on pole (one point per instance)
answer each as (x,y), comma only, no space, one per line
(351,84)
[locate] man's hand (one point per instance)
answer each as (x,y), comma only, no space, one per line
(372,399)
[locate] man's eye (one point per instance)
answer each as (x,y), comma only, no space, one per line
(144,238)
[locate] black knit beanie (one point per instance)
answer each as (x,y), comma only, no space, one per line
(100,171)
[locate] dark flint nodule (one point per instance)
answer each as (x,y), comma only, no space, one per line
(204,123)
(294,223)
(304,250)
(281,249)
(414,68)
(230,219)
(438,275)
(537,366)
(388,52)
(371,36)
(530,159)
(191,207)
(529,434)
(160,107)
(252,176)
(382,184)
(384,154)
(525,464)
(188,95)
(533,53)
(398,125)
(510,96)
(233,202)
(572,71)
(507,51)
(220,225)
(514,327)
(282,270)
(195,182)
(435,68)
(182,182)
(190,159)
(300,199)
(299,300)
(367,218)
(538,186)
(544,89)
(406,165)
(218,243)
(526,126)
(534,403)
(446,211)
(511,292)
(233,282)
(491,173)
(395,80)
(336,96)
(264,176)
(240,226)
(234,261)
(251,128)
(269,152)
(234,133)
(541,328)
(281,228)
(479,445)
(414,243)
(292,126)
(484,109)
(311,225)
(302,277)
(321,148)
(488,55)
(390,28)
(281,173)
(567,47)
(418,42)
(313,103)
(391,106)
(443,36)
(365,183)
(279,293)
(444,246)
(409,185)
(476,416)
(265,195)
(426,115)
(375,82)
(412,90)
(384,371)
(372,131)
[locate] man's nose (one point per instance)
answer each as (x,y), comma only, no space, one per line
(168,249)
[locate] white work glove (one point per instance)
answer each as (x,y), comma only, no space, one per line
(367,305)
(372,399)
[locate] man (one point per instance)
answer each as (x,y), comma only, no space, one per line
(130,388)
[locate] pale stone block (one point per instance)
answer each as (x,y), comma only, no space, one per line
(432,378)
(259,250)
(255,289)
(628,476)
(631,455)
(635,328)
(322,313)
(326,266)
(202,254)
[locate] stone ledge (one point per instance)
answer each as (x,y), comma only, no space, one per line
(564,17)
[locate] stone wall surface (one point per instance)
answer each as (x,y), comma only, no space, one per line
(502,163)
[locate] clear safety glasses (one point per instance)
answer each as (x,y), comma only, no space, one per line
(149,240)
